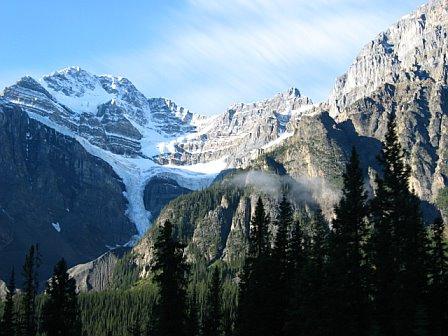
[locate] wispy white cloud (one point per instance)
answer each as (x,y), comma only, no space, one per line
(209,54)
(220,52)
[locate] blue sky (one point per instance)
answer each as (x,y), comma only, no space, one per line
(203,54)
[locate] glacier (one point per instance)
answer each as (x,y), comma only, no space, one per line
(142,138)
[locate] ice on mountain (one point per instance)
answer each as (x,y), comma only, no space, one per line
(144,138)
(77,90)
(56,226)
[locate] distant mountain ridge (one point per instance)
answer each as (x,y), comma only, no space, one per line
(158,151)
(155,149)
(403,71)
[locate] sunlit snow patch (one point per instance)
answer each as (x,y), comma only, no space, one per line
(211,167)
(56,226)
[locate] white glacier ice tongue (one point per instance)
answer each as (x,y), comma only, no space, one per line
(136,172)
(141,138)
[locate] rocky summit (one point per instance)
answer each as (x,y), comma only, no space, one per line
(75,144)
(88,162)
(403,71)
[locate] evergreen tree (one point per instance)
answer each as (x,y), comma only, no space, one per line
(259,234)
(348,263)
(192,324)
(314,297)
(255,312)
(281,265)
(280,250)
(135,329)
(60,312)
(438,290)
(296,253)
(9,323)
(296,261)
(399,245)
(212,323)
(28,319)
(170,272)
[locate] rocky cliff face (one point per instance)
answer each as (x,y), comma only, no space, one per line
(3,290)
(54,193)
(161,151)
(403,71)
(110,113)
(146,140)
(216,227)
(214,223)
(240,132)
(97,275)
(107,111)
(413,48)
(159,191)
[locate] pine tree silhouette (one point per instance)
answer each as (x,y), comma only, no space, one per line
(60,312)
(192,316)
(296,261)
(212,323)
(28,318)
(255,311)
(399,245)
(348,270)
(313,310)
(170,272)
(281,266)
(438,275)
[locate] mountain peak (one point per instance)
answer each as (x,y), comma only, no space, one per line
(293,92)
(417,38)
(26,83)
(71,71)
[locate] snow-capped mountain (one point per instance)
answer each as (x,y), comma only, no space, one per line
(412,49)
(142,138)
(239,133)
(403,71)
(107,111)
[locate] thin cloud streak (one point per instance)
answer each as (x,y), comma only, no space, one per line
(209,54)
(238,50)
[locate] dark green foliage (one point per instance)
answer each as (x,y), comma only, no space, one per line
(442,200)
(296,259)
(348,270)
(281,266)
(212,320)
(280,250)
(259,247)
(255,310)
(125,273)
(170,271)
(307,281)
(60,312)
(438,277)
(136,328)
(186,209)
(115,311)
(229,304)
(399,245)
(28,317)
(192,316)
(313,291)
(8,322)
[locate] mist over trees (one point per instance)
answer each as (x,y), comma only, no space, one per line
(374,269)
